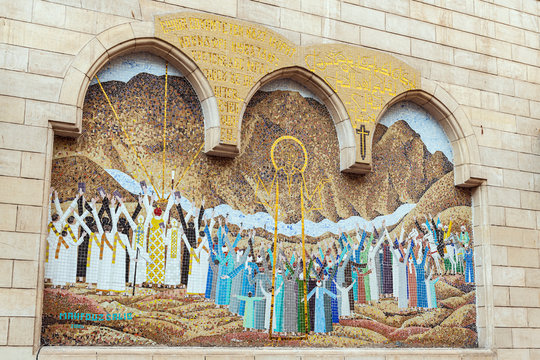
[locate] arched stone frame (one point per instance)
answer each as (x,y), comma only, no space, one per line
(468,173)
(124,39)
(334,105)
(138,37)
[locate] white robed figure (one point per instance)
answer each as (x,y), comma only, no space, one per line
(55,226)
(106,235)
(92,257)
(198,266)
(345,310)
(373,281)
(173,240)
(66,242)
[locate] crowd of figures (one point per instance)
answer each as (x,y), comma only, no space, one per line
(111,249)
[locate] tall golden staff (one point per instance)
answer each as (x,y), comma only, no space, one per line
(290,170)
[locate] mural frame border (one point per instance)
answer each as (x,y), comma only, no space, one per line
(138,37)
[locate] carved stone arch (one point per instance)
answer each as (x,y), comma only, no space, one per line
(124,39)
(338,112)
(448,113)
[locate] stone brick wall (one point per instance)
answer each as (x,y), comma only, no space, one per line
(483,54)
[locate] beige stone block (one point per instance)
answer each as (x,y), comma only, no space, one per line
(511,69)
(17,302)
(6,273)
(523,20)
(510,34)
(508,276)
(22,137)
(493,83)
(341,31)
(54,353)
(259,13)
(20,10)
(473,24)
(528,90)
(229,357)
(13,57)
(532,277)
(499,255)
(81,20)
(533,315)
(514,105)
(473,60)
(535,107)
(525,297)
(491,119)
(362,16)
(48,63)
(50,14)
(25,274)
(520,218)
(503,197)
(488,11)
(522,257)
(176,356)
(465,95)
(18,352)
(107,21)
(301,22)
(449,74)
(17,245)
(29,218)
(501,296)
(489,137)
(150,8)
(496,215)
(43,37)
(455,38)
(509,317)
(8,217)
(502,337)
(12,109)
(292,36)
(525,55)
(33,165)
(10,162)
(518,179)
(499,158)
(529,162)
(385,41)
(494,176)
(493,47)
(517,142)
(430,14)
(528,126)
(328,9)
(21,191)
(39,113)
(530,200)
(533,74)
(125,8)
(28,85)
(21,331)
(410,27)
(489,100)
(222,7)
(525,338)
(512,354)
(432,51)
(4,324)
(536,182)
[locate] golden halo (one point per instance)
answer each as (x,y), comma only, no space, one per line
(288,137)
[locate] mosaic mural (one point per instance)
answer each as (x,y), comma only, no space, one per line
(152,242)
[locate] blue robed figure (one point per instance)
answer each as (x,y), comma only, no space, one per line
(320,316)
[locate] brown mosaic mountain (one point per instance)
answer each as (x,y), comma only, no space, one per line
(403,169)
